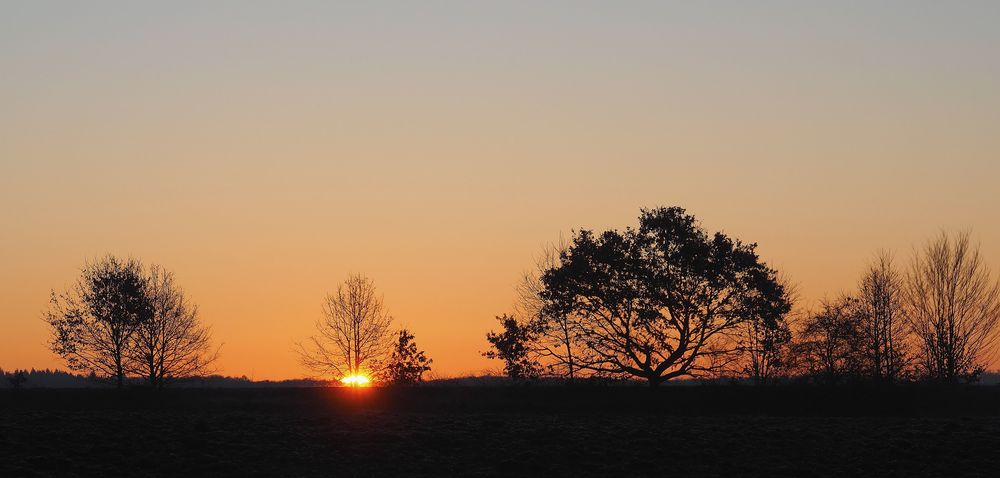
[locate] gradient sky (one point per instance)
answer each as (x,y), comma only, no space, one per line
(265,150)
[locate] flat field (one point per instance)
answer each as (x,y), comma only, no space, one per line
(502,431)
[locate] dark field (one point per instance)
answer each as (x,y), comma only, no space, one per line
(510,431)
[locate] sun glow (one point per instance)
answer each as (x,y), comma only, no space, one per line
(355,380)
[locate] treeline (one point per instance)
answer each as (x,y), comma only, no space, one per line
(669,300)
(44,379)
(662,301)
(60,379)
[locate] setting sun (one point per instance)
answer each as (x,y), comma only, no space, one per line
(355,381)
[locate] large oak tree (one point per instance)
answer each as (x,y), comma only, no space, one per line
(661,301)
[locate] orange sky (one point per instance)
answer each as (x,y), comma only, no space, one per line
(264,152)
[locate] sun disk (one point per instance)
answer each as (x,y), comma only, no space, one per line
(355,380)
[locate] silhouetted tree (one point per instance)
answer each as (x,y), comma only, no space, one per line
(93,323)
(765,342)
(17,378)
(512,345)
(352,335)
(663,300)
(831,346)
(406,364)
(880,302)
(49,379)
(173,342)
(954,307)
(555,339)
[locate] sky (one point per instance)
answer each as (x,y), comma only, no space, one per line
(264,151)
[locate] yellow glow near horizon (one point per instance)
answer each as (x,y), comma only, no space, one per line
(355,380)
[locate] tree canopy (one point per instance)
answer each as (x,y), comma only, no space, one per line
(663,300)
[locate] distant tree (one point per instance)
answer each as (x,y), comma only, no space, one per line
(352,335)
(406,364)
(173,343)
(765,342)
(49,379)
(93,323)
(17,378)
(954,307)
(512,345)
(831,346)
(883,321)
(661,301)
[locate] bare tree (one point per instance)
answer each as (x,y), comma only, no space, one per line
(765,342)
(954,307)
(831,341)
(93,322)
(556,341)
(352,335)
(880,302)
(764,348)
(173,343)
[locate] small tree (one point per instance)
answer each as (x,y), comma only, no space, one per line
(765,341)
(832,342)
(173,343)
(954,309)
(512,346)
(556,343)
(880,302)
(765,345)
(351,336)
(93,323)
(406,363)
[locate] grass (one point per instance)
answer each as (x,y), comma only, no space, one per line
(510,431)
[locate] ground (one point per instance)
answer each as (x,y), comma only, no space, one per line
(511,431)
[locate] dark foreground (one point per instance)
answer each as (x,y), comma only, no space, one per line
(553,431)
